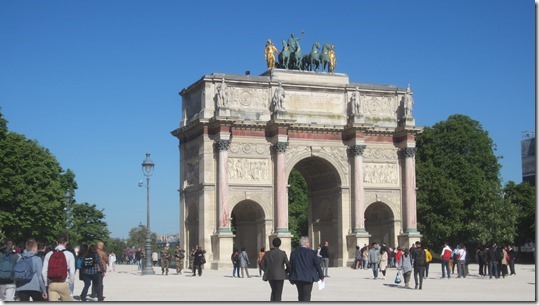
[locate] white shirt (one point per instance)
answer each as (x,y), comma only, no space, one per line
(70,265)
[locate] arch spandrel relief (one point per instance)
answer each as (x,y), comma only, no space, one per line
(263,199)
(336,156)
(392,199)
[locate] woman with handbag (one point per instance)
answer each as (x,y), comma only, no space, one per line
(405,266)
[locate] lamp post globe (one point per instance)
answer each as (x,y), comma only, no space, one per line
(147,169)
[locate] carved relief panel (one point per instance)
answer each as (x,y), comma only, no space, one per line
(379,106)
(256,99)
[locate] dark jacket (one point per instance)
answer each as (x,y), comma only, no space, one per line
(305,266)
(419,257)
(275,265)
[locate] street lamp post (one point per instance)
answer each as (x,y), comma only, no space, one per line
(68,197)
(147,169)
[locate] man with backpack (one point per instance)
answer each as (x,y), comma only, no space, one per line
(59,271)
(28,275)
(8,259)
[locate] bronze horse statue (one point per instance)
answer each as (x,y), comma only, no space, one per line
(311,61)
(284,56)
(324,56)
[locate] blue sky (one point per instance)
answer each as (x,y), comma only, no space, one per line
(97,82)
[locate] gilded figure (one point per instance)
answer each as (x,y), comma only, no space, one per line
(269,54)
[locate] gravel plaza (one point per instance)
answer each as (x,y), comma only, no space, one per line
(344,284)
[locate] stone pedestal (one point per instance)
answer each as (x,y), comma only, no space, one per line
(359,238)
(223,242)
(407,239)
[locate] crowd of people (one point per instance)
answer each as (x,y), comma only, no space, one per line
(40,272)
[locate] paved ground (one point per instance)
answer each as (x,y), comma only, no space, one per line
(344,284)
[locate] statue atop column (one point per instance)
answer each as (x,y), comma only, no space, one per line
(222,95)
(278,98)
(269,54)
(408,103)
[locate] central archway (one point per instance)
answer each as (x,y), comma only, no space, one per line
(249,228)
(324,202)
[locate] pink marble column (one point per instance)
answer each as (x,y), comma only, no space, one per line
(280,188)
(409,167)
(222,184)
(359,192)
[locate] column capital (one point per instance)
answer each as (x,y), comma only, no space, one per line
(222,145)
(409,152)
(280,147)
(357,150)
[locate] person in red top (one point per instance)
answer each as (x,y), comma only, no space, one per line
(398,255)
(446,257)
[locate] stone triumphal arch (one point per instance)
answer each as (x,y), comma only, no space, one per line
(241,136)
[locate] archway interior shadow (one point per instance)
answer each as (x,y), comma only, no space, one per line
(249,228)
(324,204)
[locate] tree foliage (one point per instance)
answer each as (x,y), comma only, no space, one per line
(523,197)
(33,186)
(459,189)
(297,207)
(31,190)
(87,225)
(137,237)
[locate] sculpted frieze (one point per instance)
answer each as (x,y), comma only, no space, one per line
(380,153)
(339,154)
(376,105)
(380,173)
(248,170)
(192,173)
(252,98)
(249,149)
(315,102)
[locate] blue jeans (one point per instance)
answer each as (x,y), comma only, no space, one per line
(493,269)
(445,266)
(236,270)
(365,264)
(374,267)
(325,265)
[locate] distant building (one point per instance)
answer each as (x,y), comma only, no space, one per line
(528,157)
(165,239)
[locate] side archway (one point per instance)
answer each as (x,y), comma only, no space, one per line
(248,226)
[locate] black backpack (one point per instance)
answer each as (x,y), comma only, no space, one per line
(88,261)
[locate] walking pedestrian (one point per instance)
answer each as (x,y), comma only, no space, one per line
(374,260)
(34,288)
(383,261)
(419,265)
(91,263)
(179,256)
(446,257)
(276,266)
(165,260)
(324,252)
(198,260)
(259,260)
(244,262)
(304,269)
(235,257)
(8,259)
(59,272)
(428,259)
(405,265)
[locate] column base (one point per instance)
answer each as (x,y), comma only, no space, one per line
(409,237)
(222,243)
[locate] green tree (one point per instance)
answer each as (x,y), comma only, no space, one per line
(137,237)
(459,189)
(87,225)
(522,196)
(297,207)
(31,190)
